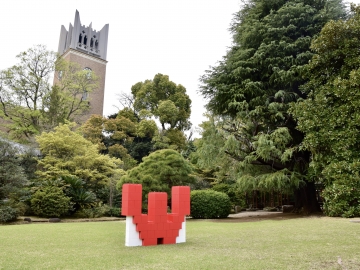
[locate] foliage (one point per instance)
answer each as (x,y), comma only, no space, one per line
(31,104)
(329,117)
(253,86)
(95,212)
(167,101)
(67,153)
(235,195)
(170,139)
(28,161)
(342,198)
(109,194)
(114,212)
(159,171)
(76,190)
(122,136)
(211,160)
(12,176)
(23,88)
(50,201)
(70,94)
(8,213)
(209,204)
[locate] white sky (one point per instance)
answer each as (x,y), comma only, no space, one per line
(179,38)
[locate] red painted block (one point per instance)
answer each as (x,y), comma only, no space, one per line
(169,217)
(137,219)
(169,240)
(181,219)
(131,193)
(143,234)
(170,233)
(159,226)
(175,218)
(160,234)
(151,233)
(149,242)
(142,227)
(124,208)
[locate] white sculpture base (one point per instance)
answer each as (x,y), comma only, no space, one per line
(132,237)
(182,233)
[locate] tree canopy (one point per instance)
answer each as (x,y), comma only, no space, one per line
(167,101)
(254,84)
(23,88)
(28,101)
(330,116)
(67,153)
(124,136)
(68,99)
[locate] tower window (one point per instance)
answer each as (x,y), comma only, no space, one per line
(80,38)
(91,42)
(88,72)
(85,40)
(85,95)
(96,44)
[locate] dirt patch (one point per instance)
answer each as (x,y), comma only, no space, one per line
(34,219)
(253,216)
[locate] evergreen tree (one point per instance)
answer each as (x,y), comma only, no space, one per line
(330,116)
(255,83)
(159,172)
(12,176)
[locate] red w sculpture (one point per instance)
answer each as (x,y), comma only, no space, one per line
(158,226)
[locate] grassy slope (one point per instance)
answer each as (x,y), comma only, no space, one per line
(304,243)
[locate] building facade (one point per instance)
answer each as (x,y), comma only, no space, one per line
(88,48)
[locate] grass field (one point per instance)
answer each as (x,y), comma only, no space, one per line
(301,243)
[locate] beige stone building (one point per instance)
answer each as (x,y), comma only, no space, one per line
(87,47)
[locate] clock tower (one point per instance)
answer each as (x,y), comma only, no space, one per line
(88,48)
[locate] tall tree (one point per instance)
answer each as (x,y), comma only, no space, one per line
(23,87)
(167,101)
(330,116)
(28,101)
(169,104)
(255,83)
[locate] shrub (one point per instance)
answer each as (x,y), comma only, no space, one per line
(236,196)
(95,212)
(8,213)
(50,201)
(342,199)
(209,204)
(114,212)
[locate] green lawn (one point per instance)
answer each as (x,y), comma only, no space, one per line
(302,243)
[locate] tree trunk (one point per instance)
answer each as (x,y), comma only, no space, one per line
(305,198)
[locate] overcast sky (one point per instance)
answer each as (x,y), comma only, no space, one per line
(179,38)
